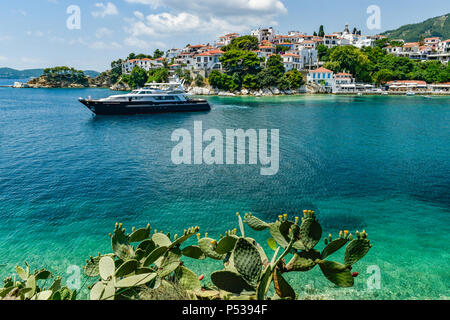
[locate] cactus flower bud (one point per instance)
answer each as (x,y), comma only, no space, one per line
(198,236)
(355,274)
(201,277)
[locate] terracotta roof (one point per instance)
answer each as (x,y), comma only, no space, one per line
(411,44)
(291,55)
(321,70)
(344,74)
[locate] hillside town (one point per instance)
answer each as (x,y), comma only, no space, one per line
(299,51)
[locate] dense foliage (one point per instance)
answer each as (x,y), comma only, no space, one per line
(243,69)
(65,74)
(146,266)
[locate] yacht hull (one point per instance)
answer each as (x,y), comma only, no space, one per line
(144,107)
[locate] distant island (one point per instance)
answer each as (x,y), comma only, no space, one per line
(9,73)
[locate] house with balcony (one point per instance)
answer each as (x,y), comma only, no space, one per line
(146,64)
(208,61)
(264,34)
(324,78)
(226,39)
(292,61)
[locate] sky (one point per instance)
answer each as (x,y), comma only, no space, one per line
(48,33)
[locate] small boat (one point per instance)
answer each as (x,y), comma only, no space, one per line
(153,98)
(410,93)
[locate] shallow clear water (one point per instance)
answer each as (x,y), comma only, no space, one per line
(375,163)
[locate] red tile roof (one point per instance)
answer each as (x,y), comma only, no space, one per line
(321,70)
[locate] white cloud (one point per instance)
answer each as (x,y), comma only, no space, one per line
(108,9)
(103,32)
(2,58)
(36,33)
(204,17)
(100,45)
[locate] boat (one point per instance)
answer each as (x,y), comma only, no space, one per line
(410,93)
(153,98)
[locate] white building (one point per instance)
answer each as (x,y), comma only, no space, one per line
(146,64)
(208,60)
(323,77)
(226,39)
(264,34)
(292,61)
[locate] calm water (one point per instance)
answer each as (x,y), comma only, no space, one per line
(375,163)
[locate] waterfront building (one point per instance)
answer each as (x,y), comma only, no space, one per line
(208,60)
(323,77)
(226,39)
(407,86)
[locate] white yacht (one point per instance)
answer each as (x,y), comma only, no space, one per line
(153,98)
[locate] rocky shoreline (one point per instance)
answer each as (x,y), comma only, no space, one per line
(267,92)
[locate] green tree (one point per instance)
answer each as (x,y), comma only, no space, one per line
(275,65)
(160,75)
(350,59)
(138,77)
(241,62)
(382,76)
(321,32)
(246,43)
(116,70)
(158,54)
(251,82)
(322,52)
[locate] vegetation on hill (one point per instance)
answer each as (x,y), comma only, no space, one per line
(8,73)
(242,69)
(143,266)
(377,66)
(434,27)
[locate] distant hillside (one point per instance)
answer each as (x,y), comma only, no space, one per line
(8,73)
(434,27)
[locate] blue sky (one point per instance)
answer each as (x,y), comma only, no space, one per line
(34,33)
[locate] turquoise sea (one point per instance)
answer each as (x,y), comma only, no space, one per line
(376,163)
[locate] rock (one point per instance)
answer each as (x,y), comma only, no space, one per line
(120,86)
(244,92)
(20,85)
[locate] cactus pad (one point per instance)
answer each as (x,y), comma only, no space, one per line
(337,273)
(247,261)
(226,244)
(120,244)
(106,267)
(310,233)
(188,279)
(264,283)
(140,235)
(230,281)
(303,261)
(136,280)
(161,240)
(282,287)
(209,249)
(154,255)
(333,246)
(356,250)
(193,252)
(255,223)
(127,268)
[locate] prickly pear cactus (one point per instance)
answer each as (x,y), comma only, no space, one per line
(255,223)
(120,243)
(140,234)
(337,273)
(303,261)
(226,244)
(310,230)
(247,261)
(208,246)
(357,249)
